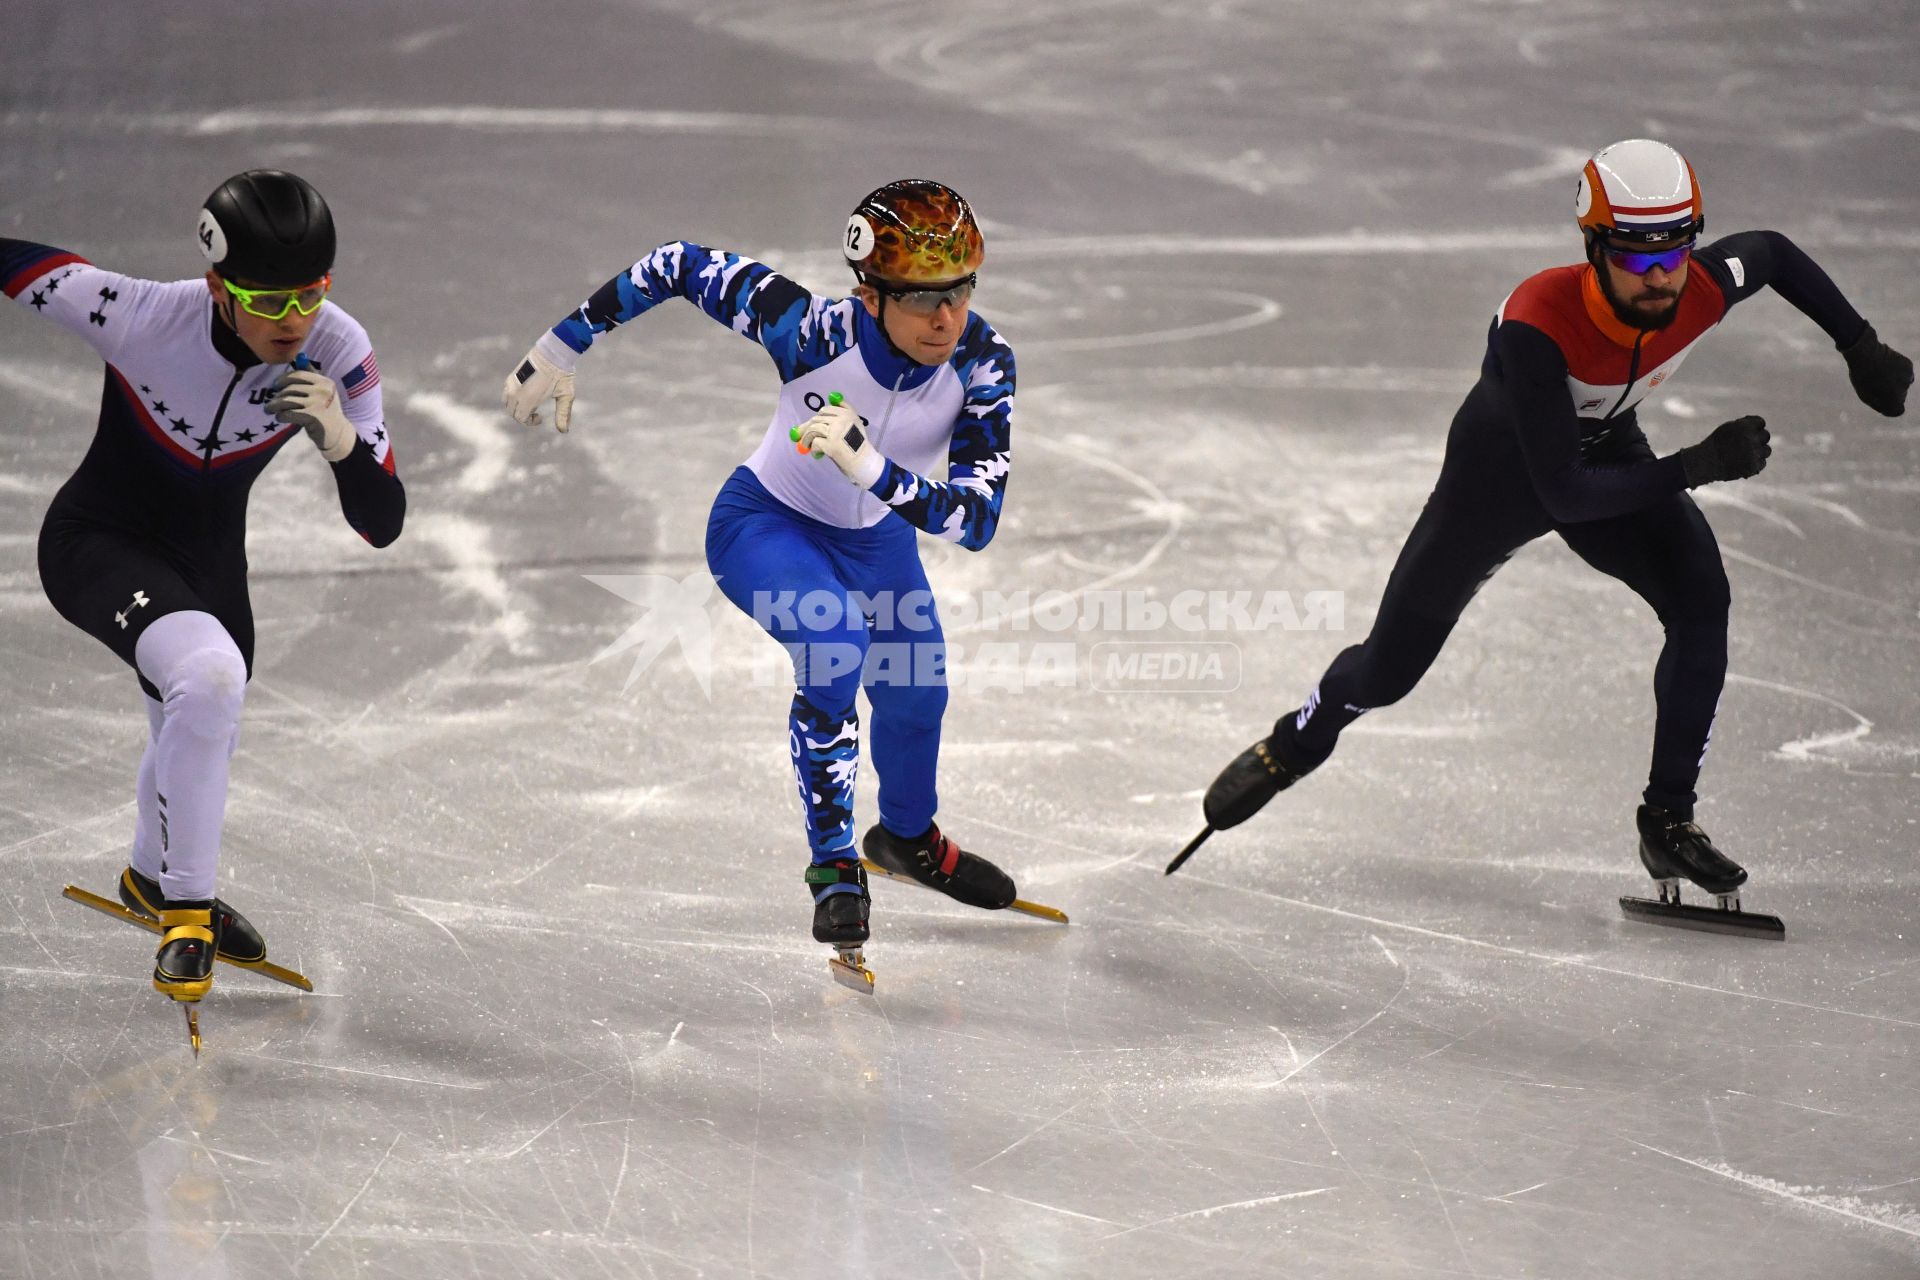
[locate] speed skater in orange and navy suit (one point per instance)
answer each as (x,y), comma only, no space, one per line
(1547,442)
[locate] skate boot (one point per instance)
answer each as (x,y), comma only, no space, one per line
(840,918)
(183,966)
(1243,788)
(840,915)
(939,863)
(239,942)
(1672,846)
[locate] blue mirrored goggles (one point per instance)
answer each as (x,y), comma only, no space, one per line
(1639,262)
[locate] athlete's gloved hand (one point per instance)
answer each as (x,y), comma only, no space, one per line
(307,398)
(1880,375)
(546,374)
(836,433)
(1734,451)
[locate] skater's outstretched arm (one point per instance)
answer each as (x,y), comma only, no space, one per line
(966,507)
(1746,262)
(801,332)
(101,306)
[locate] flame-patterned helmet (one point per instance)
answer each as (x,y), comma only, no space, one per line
(914,232)
(1638,190)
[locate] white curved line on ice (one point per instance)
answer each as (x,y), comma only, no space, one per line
(1804,748)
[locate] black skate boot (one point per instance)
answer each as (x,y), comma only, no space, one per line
(1254,777)
(183,966)
(939,863)
(840,919)
(1243,788)
(238,941)
(1672,846)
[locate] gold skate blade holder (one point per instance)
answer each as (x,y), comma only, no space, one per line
(193,1029)
(850,969)
(1035,909)
(1725,916)
(108,907)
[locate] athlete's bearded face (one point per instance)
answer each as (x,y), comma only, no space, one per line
(1649,301)
(273,341)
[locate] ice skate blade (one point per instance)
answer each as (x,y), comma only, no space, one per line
(1035,909)
(193,1029)
(1744,924)
(106,906)
(850,970)
(1180,859)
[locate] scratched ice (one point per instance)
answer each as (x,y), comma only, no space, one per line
(568,1020)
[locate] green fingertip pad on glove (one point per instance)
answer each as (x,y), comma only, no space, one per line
(834,397)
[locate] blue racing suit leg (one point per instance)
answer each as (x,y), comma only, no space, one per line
(773,564)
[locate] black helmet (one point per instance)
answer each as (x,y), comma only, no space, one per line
(267,228)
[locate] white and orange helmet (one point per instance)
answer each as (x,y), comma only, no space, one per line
(1638,190)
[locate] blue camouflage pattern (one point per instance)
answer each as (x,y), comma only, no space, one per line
(966,509)
(825,747)
(803,332)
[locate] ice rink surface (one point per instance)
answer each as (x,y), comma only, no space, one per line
(568,1019)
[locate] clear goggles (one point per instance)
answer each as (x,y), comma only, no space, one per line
(924,302)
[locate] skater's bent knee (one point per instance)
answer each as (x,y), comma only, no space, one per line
(1703,608)
(1698,592)
(204,691)
(1699,644)
(914,706)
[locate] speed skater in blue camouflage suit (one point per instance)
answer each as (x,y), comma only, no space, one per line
(894,415)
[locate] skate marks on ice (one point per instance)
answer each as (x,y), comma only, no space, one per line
(1886,1217)
(1572,962)
(1261,310)
(1208,1212)
(1876,603)
(1847,748)
(479,430)
(279,121)
(352,1200)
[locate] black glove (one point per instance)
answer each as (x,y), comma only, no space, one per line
(1734,451)
(1880,375)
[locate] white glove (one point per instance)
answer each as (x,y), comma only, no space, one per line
(836,433)
(307,398)
(546,374)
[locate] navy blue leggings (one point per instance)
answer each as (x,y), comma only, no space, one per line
(1483,510)
(853,609)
